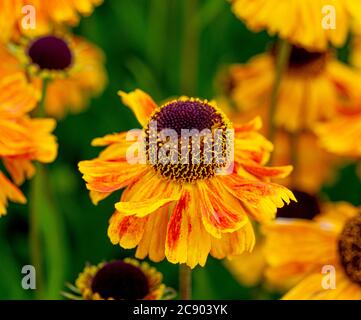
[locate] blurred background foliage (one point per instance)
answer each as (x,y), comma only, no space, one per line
(167,48)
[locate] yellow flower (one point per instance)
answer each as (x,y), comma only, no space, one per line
(22,139)
(75,67)
(48,14)
(194,205)
(342,136)
(302,250)
(312,88)
(300,21)
(125,279)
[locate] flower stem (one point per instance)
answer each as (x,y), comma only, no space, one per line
(282,59)
(189,63)
(34,214)
(185,282)
(41,107)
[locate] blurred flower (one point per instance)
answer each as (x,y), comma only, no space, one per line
(49,14)
(299,250)
(75,67)
(250,268)
(125,279)
(314,85)
(22,139)
(194,210)
(342,134)
(300,21)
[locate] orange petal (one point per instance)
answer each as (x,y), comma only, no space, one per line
(268,172)
(8,191)
(235,243)
(140,103)
(108,176)
(260,198)
(152,243)
(221,212)
(126,231)
(148,195)
(299,241)
(187,240)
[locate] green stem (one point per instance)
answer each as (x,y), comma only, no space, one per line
(34,226)
(282,59)
(34,214)
(189,63)
(41,112)
(185,282)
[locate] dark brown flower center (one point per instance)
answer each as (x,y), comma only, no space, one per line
(301,57)
(306,207)
(50,53)
(350,248)
(186,140)
(303,61)
(120,280)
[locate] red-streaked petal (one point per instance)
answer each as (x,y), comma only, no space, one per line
(261,198)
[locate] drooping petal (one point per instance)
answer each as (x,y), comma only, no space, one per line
(260,198)
(19,169)
(140,103)
(126,231)
(221,212)
(8,191)
(152,243)
(148,195)
(187,240)
(235,243)
(108,176)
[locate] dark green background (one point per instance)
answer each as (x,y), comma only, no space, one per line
(144,44)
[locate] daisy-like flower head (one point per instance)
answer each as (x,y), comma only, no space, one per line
(314,85)
(299,249)
(48,14)
(250,268)
(22,139)
(73,65)
(302,22)
(195,206)
(125,279)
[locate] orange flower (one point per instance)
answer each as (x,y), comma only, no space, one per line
(48,14)
(303,250)
(195,207)
(313,87)
(342,134)
(75,66)
(22,139)
(301,21)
